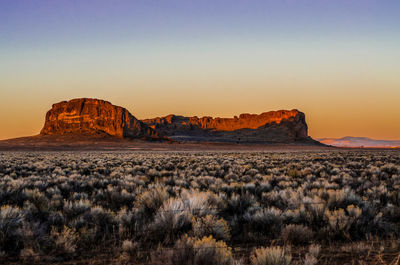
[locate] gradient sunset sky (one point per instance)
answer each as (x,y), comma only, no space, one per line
(336,60)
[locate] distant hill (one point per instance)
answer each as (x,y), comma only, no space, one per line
(350,141)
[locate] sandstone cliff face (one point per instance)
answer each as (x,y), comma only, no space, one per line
(94,117)
(98,117)
(273,126)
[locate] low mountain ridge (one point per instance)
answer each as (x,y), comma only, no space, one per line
(350,141)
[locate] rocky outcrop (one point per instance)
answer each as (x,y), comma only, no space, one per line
(87,116)
(275,126)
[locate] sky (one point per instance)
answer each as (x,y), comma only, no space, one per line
(336,61)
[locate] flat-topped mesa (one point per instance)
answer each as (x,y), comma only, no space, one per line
(273,126)
(244,121)
(88,116)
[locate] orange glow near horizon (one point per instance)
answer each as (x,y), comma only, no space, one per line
(334,107)
(326,117)
(342,91)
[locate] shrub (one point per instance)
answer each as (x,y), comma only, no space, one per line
(37,205)
(196,252)
(264,221)
(129,247)
(296,234)
(270,256)
(171,221)
(199,203)
(211,225)
(130,252)
(149,201)
(126,223)
(311,257)
(74,209)
(238,204)
(338,221)
(342,198)
(102,221)
(64,242)
(11,240)
(210,251)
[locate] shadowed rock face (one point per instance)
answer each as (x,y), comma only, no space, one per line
(94,117)
(282,126)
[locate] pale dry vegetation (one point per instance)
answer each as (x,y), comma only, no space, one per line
(200,208)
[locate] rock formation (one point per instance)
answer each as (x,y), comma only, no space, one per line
(87,116)
(283,126)
(92,117)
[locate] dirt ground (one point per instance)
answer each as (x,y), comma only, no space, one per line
(73,143)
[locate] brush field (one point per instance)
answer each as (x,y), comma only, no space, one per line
(304,207)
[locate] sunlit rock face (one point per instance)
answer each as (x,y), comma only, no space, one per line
(94,117)
(274,126)
(85,116)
